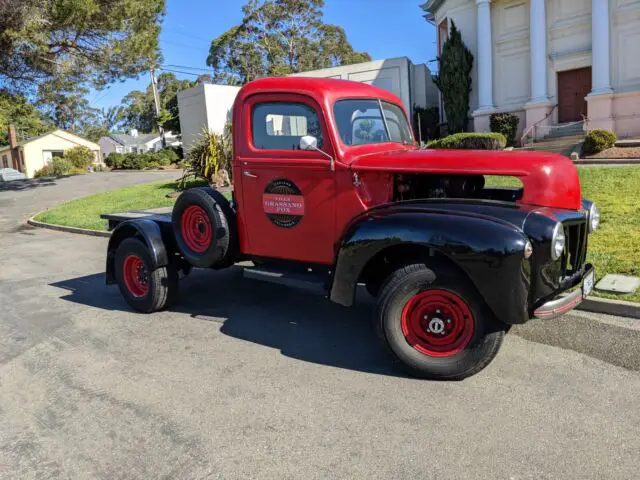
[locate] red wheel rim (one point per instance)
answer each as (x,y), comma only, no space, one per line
(135,276)
(437,323)
(196,229)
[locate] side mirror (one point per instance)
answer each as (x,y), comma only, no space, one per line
(308,142)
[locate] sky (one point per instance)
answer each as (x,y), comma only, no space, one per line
(383,28)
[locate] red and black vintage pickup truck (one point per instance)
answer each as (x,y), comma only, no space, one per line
(329,183)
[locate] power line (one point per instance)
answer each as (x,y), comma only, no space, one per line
(179,71)
(208,70)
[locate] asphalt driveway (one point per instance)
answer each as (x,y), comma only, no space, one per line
(249,380)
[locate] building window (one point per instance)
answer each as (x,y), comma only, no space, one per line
(5,162)
(279,126)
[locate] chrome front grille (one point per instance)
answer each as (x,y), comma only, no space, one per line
(576,249)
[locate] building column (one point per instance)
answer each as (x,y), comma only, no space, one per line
(484,61)
(485,56)
(600,100)
(600,47)
(538,41)
(539,106)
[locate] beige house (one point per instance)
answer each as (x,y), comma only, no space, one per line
(34,153)
(551,62)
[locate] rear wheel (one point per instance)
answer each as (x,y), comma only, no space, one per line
(146,289)
(435,325)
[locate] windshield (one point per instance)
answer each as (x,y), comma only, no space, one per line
(371,121)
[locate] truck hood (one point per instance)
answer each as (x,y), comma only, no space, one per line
(548,180)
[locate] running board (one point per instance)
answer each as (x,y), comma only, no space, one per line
(306,281)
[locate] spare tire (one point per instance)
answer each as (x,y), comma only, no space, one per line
(204,227)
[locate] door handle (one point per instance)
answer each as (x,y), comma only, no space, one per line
(249,174)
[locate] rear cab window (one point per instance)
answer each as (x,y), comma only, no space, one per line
(281,125)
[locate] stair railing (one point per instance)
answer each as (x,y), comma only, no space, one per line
(530,131)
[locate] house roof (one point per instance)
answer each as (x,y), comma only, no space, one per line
(38,137)
(126,139)
(430,7)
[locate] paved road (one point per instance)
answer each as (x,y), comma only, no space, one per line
(250,380)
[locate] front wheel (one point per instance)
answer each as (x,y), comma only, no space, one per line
(146,289)
(434,324)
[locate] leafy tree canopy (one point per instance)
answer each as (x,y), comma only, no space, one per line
(87,41)
(138,108)
(279,37)
(16,110)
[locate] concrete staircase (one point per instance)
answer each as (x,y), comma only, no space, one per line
(562,139)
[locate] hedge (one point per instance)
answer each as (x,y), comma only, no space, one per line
(598,140)
(473,141)
(140,161)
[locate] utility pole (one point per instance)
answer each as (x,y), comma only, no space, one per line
(156,100)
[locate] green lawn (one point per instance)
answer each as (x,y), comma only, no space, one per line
(614,248)
(85,212)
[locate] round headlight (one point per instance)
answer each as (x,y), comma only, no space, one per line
(558,241)
(594,217)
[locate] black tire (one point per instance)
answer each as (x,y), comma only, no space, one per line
(208,238)
(412,282)
(162,282)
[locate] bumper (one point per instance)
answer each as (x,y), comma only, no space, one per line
(563,303)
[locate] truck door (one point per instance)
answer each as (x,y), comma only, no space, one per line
(288,194)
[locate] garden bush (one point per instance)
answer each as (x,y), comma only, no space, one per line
(61,166)
(506,124)
(140,161)
(166,157)
(114,160)
(45,171)
(475,141)
(80,157)
(598,140)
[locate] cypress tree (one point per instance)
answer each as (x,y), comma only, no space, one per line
(454,80)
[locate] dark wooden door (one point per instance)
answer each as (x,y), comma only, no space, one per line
(573,87)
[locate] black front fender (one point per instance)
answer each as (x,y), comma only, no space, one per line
(488,250)
(148,231)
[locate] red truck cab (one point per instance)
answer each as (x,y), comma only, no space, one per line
(328,181)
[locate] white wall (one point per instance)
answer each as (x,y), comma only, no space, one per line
(412,83)
(204,106)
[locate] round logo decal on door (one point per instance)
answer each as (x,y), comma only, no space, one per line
(283,203)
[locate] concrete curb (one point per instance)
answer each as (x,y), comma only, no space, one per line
(62,228)
(607,306)
(607,161)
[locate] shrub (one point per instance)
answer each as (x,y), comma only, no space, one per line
(61,166)
(429,123)
(78,171)
(166,157)
(211,153)
(45,171)
(598,140)
(135,161)
(114,160)
(506,124)
(475,141)
(454,80)
(80,156)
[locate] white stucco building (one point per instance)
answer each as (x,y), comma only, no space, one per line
(550,61)
(209,106)
(32,154)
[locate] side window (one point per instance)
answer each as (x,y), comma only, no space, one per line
(280,125)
